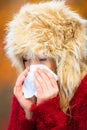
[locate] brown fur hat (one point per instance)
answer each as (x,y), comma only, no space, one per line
(54,30)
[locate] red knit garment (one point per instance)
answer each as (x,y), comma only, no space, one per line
(49,116)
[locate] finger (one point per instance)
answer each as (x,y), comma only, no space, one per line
(51,82)
(18,93)
(20,81)
(22,76)
(51,78)
(25,72)
(38,82)
(45,79)
(18,87)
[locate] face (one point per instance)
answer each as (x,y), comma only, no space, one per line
(49,62)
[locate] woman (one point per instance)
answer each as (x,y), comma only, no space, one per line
(49,33)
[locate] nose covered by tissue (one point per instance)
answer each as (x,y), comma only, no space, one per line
(29,88)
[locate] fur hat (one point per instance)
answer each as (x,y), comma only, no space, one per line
(54,30)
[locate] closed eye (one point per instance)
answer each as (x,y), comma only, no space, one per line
(24,60)
(42,59)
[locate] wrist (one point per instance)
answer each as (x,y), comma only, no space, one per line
(28,114)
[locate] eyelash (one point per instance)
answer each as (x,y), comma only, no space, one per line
(42,59)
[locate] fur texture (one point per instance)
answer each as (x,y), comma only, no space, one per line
(53,30)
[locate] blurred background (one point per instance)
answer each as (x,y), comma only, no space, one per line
(8,74)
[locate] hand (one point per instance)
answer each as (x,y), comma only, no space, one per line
(25,103)
(46,85)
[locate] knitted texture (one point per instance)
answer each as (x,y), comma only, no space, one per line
(17,119)
(48,115)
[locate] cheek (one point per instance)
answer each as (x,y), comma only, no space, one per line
(26,64)
(51,64)
(53,67)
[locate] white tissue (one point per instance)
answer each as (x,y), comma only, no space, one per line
(29,88)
